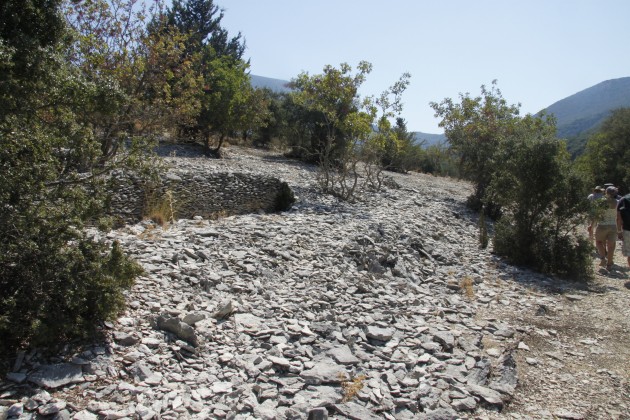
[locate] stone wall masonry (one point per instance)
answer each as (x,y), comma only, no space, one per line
(204,195)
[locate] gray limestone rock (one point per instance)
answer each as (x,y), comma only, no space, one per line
(324,372)
(446,339)
(178,327)
(17,377)
(355,411)
(309,299)
(379,333)
(440,414)
(194,317)
(225,309)
(343,355)
(489,395)
(84,415)
(319,413)
(55,376)
(125,339)
(480,373)
(141,372)
(505,376)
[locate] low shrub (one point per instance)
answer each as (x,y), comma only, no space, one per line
(52,292)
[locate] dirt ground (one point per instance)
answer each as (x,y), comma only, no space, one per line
(574,353)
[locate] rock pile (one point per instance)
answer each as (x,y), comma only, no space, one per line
(191,191)
(329,310)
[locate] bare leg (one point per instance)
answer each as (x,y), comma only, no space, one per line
(601,250)
(610,248)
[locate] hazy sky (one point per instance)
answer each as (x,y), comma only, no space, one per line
(540,51)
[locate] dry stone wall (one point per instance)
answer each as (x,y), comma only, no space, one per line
(206,195)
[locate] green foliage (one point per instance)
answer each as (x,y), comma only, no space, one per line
(523,177)
(230,103)
(543,204)
(201,19)
(273,127)
(56,283)
(147,82)
(476,127)
(227,102)
(401,153)
(607,152)
(328,112)
(285,198)
(437,159)
(340,131)
(58,288)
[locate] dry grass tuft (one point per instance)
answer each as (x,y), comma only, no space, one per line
(467,287)
(161,209)
(352,387)
(221,214)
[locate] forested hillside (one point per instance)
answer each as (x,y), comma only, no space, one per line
(580,115)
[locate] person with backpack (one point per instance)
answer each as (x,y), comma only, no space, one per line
(605,238)
(623,225)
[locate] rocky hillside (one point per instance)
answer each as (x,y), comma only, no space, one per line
(385,308)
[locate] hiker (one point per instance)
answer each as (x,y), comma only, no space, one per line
(608,185)
(623,225)
(605,233)
(598,192)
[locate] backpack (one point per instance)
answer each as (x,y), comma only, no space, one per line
(624,210)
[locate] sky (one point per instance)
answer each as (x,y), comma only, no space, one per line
(539,51)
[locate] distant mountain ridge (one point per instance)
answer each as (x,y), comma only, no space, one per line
(275,85)
(428,139)
(588,108)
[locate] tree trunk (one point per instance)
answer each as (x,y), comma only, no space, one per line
(217,151)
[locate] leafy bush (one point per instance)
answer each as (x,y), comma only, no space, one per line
(475,128)
(285,198)
(55,282)
(543,204)
(607,153)
(54,290)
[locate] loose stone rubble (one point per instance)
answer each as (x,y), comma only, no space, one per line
(336,310)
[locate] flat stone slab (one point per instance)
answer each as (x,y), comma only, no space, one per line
(248,323)
(325,372)
(489,395)
(378,333)
(343,355)
(58,375)
(355,411)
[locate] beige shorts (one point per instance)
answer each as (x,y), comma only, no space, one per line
(625,247)
(606,233)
